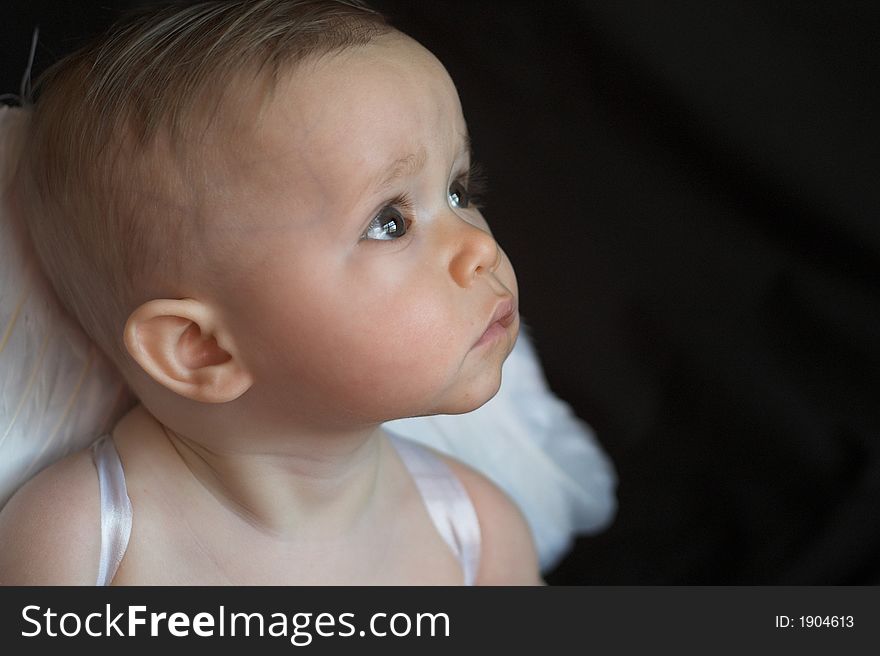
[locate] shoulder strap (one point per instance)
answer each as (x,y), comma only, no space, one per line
(447,502)
(115,508)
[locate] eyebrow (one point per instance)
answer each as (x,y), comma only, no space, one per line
(402,167)
(410,165)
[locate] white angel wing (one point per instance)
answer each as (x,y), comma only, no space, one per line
(57,391)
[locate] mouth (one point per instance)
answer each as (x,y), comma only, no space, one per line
(504,315)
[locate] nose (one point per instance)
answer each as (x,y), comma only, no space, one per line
(474,251)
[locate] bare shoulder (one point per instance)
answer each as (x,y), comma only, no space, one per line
(50,529)
(507,553)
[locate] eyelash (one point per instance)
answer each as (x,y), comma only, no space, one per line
(473,182)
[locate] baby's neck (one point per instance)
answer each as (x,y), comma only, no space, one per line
(304,488)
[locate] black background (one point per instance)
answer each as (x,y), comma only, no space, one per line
(689,193)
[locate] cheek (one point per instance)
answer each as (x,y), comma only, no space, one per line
(401,341)
(386,345)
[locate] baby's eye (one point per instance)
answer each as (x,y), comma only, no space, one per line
(458,195)
(388,224)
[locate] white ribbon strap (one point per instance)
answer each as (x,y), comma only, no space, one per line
(447,502)
(115,508)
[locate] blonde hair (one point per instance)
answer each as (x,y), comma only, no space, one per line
(104,178)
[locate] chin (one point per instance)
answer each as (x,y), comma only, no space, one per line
(468,400)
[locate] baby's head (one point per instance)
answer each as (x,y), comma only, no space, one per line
(268,202)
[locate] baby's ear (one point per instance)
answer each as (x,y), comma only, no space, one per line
(180,344)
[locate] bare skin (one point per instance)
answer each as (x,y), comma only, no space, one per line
(263,388)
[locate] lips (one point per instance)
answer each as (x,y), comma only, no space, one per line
(504,313)
(503,316)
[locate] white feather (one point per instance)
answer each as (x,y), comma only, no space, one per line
(56,389)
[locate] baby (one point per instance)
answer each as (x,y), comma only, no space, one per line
(263,212)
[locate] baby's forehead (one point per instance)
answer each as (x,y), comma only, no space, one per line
(364,92)
(326,134)
(392,93)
